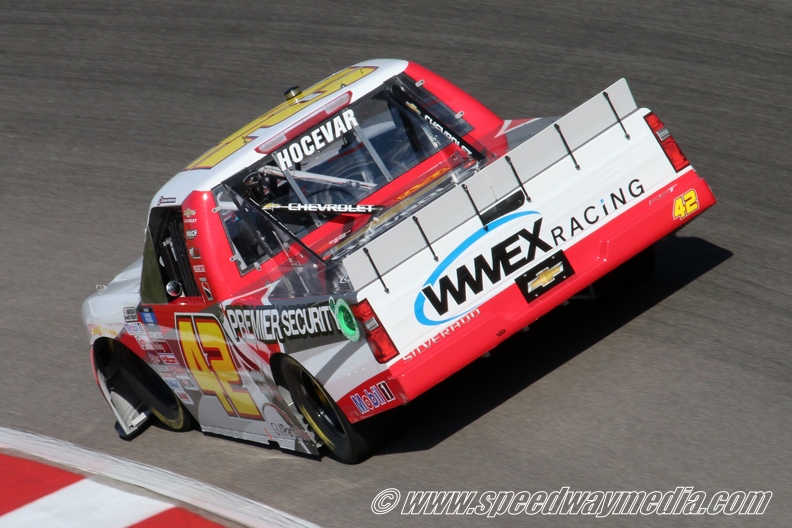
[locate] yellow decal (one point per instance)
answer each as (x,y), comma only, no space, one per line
(545,277)
(103,331)
(209,359)
(243,136)
(423,183)
(685,204)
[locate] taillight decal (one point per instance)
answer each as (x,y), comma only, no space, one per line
(379,341)
(667,142)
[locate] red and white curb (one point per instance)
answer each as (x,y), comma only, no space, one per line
(35,494)
(68,500)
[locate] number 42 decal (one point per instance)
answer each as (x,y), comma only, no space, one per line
(209,359)
(685,204)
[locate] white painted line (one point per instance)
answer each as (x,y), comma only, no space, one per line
(203,496)
(85,503)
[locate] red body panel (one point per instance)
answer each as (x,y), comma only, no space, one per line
(483,120)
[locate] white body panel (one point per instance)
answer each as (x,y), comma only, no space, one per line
(103,312)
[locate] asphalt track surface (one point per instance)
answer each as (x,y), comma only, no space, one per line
(684,381)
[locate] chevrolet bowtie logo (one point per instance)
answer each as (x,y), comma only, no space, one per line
(545,277)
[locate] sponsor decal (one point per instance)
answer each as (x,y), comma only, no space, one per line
(173,383)
(188,214)
(454,286)
(594,213)
(440,128)
(195,254)
(177,377)
(147,315)
(183,396)
(450,329)
(662,195)
(277,115)
(191,233)
(199,268)
(166,200)
(102,330)
(420,185)
(345,319)
(332,208)
(270,324)
(154,358)
(316,140)
(206,289)
(144,343)
(135,329)
(130,314)
(162,369)
(281,430)
(187,382)
(168,359)
(338,239)
(209,358)
(281,425)
(547,275)
(161,346)
(447,287)
(373,397)
(686,204)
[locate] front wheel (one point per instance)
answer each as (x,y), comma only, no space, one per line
(151,389)
(323,415)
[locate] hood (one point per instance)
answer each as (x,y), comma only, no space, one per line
(103,312)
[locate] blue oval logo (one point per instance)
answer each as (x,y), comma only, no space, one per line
(420,300)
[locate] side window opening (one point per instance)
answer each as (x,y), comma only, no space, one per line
(249,243)
(299,271)
(434,105)
(170,251)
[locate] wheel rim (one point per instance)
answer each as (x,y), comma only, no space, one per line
(151,390)
(320,405)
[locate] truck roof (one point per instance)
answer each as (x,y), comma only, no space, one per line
(253,141)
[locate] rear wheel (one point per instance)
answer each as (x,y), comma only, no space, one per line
(151,389)
(323,415)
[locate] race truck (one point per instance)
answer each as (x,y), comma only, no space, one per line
(363,241)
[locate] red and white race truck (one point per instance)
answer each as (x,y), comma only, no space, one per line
(366,239)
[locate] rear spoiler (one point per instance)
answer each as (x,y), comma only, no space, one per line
(494,184)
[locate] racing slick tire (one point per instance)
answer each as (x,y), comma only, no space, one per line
(151,389)
(327,421)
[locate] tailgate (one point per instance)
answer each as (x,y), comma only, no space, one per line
(579,174)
